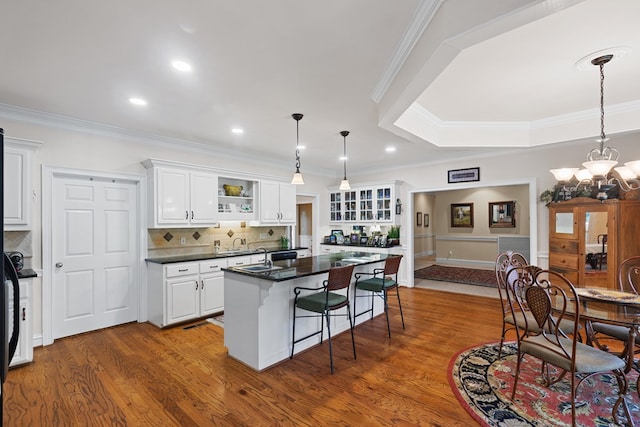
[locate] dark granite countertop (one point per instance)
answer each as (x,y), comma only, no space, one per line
(201,257)
(27,273)
(301,267)
(356,245)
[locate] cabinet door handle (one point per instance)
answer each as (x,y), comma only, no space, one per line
(186,214)
(24,314)
(202,284)
(183,270)
(191,214)
(196,285)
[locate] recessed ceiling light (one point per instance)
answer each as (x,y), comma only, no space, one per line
(181,66)
(237,130)
(301,147)
(390,149)
(137,101)
(343,158)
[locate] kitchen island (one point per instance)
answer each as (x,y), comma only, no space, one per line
(258,305)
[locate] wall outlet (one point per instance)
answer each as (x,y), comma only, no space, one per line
(216,243)
(183,241)
(263,236)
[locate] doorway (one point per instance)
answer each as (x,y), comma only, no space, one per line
(306,221)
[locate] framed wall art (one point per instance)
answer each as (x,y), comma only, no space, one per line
(502,214)
(462,215)
(463,175)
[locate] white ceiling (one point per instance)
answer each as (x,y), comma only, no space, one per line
(257,62)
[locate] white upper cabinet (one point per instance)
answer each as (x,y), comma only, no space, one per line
(277,203)
(17,171)
(182,198)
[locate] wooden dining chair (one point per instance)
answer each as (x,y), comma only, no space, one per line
(553,298)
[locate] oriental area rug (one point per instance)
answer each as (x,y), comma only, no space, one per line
(483,384)
(467,276)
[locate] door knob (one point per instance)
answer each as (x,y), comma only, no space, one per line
(59,265)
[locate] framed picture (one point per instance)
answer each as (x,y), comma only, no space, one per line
(426,220)
(502,214)
(419,219)
(462,215)
(464,175)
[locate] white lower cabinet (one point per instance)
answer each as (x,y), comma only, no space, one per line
(24,351)
(183,291)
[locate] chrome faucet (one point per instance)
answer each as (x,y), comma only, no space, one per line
(267,261)
(233,245)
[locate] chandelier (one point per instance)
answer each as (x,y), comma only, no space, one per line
(599,168)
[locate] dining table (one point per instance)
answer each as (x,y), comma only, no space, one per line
(600,305)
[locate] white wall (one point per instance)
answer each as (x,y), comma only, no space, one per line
(81,150)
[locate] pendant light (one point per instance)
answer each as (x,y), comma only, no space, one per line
(344,185)
(297,176)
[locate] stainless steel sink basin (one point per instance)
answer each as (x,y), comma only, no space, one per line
(257,268)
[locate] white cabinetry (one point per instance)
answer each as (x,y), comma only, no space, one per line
(17,170)
(182,198)
(277,203)
(184,291)
(24,351)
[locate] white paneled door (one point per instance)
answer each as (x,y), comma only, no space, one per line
(94,254)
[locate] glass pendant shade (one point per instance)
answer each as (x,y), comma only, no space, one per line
(297,178)
(344,185)
(634,166)
(599,168)
(564,174)
(583,175)
(625,173)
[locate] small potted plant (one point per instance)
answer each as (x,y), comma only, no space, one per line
(284,242)
(393,236)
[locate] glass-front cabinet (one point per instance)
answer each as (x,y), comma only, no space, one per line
(384,203)
(350,206)
(366,205)
(335,207)
(373,203)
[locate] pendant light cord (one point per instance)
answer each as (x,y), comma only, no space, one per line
(297,145)
(603,137)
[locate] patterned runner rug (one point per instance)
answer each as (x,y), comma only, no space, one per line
(483,385)
(468,276)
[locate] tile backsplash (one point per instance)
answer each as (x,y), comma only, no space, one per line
(189,241)
(19,241)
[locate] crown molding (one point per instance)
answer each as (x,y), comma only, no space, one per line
(40,118)
(422,17)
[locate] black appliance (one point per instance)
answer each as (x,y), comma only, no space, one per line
(278,256)
(8,339)
(17,259)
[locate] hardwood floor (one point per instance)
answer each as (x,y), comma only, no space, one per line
(138,375)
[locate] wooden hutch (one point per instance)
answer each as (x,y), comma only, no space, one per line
(588,239)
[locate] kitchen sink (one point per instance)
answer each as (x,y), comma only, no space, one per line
(257,268)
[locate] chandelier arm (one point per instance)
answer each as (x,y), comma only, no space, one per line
(623,183)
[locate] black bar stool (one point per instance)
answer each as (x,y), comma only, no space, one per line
(323,303)
(380,286)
